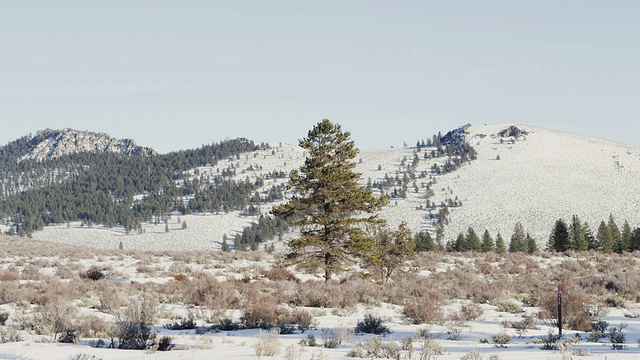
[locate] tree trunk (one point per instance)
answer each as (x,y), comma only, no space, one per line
(327,267)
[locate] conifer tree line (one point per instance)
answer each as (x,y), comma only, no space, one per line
(576,236)
(99,188)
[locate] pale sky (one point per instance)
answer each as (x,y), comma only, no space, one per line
(178,74)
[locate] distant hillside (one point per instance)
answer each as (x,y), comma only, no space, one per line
(486,177)
(51,144)
(536,176)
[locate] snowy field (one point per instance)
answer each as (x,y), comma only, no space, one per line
(25,264)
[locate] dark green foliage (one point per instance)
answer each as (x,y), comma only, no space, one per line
(616,235)
(225,246)
(472,240)
(487,243)
(577,235)
(329,203)
(424,242)
(182,324)
(604,238)
(559,238)
(518,241)
(626,236)
(98,188)
(164,344)
(392,249)
(634,243)
(500,245)
(372,324)
(532,247)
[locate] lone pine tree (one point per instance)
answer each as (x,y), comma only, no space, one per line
(329,205)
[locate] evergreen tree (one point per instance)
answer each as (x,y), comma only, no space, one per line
(616,235)
(634,242)
(588,234)
(577,235)
(626,235)
(473,242)
(559,238)
(532,247)
(487,243)
(328,204)
(460,244)
(225,246)
(424,242)
(392,249)
(500,245)
(518,239)
(604,238)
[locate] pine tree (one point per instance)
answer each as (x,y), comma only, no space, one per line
(616,236)
(518,239)
(500,245)
(329,204)
(577,235)
(604,238)
(472,240)
(626,235)
(634,243)
(460,244)
(532,247)
(588,234)
(487,243)
(225,246)
(559,238)
(424,242)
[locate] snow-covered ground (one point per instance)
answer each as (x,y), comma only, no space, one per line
(143,267)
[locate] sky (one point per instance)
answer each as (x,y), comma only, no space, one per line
(178,74)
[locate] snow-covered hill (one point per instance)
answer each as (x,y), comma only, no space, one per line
(526,174)
(541,176)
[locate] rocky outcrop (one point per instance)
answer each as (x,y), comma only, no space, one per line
(52,144)
(512,131)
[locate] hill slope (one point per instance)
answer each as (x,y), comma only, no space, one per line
(540,176)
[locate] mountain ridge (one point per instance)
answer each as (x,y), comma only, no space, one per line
(50,144)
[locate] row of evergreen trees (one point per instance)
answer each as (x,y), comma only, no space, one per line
(577,235)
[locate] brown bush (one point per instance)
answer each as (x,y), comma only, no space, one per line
(280,274)
(426,310)
(261,312)
(9,276)
(575,315)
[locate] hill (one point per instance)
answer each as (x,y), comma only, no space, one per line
(487,177)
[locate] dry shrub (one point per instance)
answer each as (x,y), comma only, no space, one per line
(302,318)
(268,344)
(205,290)
(471,312)
(180,277)
(425,310)
(338,295)
(10,292)
(575,315)
(10,276)
(111,297)
(280,274)
(262,312)
(91,326)
(56,318)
